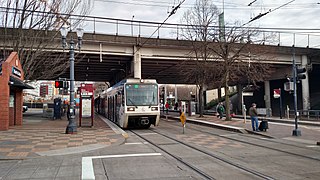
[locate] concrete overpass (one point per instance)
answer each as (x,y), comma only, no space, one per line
(110,58)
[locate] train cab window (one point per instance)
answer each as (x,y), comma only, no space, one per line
(141,94)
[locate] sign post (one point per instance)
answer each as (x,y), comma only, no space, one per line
(86,103)
(183,120)
(244,110)
(277,94)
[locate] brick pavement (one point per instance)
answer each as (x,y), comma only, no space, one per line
(40,136)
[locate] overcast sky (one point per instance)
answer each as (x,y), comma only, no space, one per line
(297,14)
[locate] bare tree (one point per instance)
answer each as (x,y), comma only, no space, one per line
(200,19)
(30,28)
(225,55)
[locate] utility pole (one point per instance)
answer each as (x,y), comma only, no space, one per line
(296,131)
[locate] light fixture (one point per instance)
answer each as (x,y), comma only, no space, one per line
(79,34)
(64,33)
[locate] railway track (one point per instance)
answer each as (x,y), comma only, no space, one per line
(257,145)
(249,172)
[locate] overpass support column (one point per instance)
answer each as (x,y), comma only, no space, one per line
(240,97)
(267,99)
(305,85)
(175,93)
(136,62)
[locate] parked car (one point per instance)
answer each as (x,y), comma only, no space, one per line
(25,108)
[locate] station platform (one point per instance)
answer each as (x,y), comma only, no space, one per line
(278,128)
(40,136)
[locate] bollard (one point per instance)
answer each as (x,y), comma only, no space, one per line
(184,125)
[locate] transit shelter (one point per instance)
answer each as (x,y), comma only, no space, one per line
(11,92)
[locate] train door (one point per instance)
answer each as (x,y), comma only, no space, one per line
(113,109)
(108,114)
(116,113)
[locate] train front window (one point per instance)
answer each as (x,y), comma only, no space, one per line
(141,94)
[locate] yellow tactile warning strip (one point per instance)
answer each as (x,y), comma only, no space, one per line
(26,141)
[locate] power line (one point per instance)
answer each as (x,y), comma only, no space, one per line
(234,6)
(88,18)
(270,10)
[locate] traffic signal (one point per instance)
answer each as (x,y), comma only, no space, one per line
(193,97)
(58,84)
(300,73)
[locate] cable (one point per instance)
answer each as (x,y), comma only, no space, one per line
(156,24)
(263,14)
(173,11)
(234,6)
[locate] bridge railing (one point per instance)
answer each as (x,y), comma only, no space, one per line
(270,36)
(130,27)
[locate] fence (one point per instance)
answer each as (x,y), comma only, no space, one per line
(312,115)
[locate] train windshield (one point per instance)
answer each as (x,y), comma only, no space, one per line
(141,94)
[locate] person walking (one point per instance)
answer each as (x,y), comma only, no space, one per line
(254,117)
(167,107)
(220,110)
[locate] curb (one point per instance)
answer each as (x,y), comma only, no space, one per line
(220,126)
(285,121)
(210,124)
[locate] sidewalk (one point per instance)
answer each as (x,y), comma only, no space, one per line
(43,137)
(277,128)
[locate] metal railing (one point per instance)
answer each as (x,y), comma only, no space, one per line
(312,115)
(129,27)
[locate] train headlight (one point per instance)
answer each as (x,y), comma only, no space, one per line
(154,109)
(130,109)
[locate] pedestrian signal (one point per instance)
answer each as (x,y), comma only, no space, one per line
(58,84)
(300,73)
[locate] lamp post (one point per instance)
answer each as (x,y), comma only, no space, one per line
(162,92)
(132,25)
(72,126)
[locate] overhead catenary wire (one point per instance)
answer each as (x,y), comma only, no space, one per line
(263,14)
(173,11)
(235,6)
(89,18)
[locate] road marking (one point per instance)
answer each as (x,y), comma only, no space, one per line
(144,134)
(313,146)
(87,164)
(133,143)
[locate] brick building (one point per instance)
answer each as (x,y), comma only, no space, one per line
(11,97)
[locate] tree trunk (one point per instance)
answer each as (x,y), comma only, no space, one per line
(201,101)
(219,94)
(227,99)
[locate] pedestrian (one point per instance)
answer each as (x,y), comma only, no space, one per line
(220,110)
(254,117)
(176,106)
(167,107)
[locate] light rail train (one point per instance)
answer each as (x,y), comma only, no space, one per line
(131,103)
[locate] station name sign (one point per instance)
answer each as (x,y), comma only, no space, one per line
(16,72)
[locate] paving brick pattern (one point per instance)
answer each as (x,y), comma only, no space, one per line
(209,141)
(25,141)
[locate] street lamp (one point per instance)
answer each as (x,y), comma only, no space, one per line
(132,25)
(163,94)
(72,127)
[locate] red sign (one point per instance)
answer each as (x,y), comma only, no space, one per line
(276,93)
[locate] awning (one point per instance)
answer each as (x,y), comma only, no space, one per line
(18,83)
